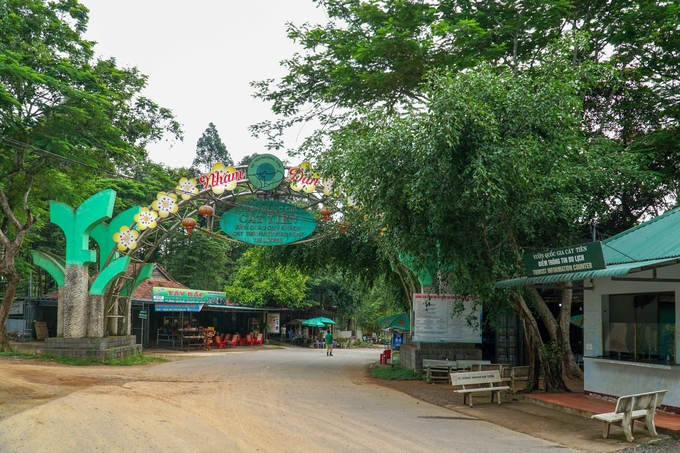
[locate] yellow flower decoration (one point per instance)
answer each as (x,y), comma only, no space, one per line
(328,187)
(165,204)
(222,178)
(126,238)
(304,178)
(146,218)
(187,188)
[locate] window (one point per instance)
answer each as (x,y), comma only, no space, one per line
(640,327)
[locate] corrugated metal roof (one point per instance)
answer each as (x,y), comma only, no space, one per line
(615,270)
(655,239)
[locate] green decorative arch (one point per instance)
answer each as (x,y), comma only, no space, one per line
(144,273)
(53,264)
(103,233)
(77,224)
(115,269)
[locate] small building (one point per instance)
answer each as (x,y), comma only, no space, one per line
(630,311)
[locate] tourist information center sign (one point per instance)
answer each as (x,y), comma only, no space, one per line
(434,320)
(577,258)
(267,222)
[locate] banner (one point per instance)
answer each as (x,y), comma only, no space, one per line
(182,295)
(274,323)
(434,320)
(178,307)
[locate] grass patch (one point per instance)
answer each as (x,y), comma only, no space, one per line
(136,359)
(396,374)
(17,353)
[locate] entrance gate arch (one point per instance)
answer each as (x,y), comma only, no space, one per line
(264,203)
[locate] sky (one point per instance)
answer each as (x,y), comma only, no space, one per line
(200,58)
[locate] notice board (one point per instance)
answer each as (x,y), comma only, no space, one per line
(434,320)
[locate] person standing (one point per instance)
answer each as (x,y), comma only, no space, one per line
(329,343)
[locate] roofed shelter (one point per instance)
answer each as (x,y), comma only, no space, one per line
(630,309)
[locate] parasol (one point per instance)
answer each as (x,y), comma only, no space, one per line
(313,322)
(399,321)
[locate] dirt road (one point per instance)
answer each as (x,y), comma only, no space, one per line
(241,400)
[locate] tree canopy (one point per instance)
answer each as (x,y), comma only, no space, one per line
(63,116)
(209,150)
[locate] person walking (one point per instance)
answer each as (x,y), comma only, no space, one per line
(329,343)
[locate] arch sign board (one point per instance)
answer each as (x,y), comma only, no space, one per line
(267,222)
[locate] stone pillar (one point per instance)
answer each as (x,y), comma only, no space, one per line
(95,316)
(60,312)
(75,306)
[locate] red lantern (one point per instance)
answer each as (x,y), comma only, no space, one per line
(206,210)
(189,223)
(326,212)
(342,226)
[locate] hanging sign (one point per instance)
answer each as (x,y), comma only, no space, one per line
(266,172)
(178,307)
(180,295)
(577,258)
(267,222)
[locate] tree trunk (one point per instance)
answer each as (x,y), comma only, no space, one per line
(10,249)
(533,339)
(12,285)
(559,336)
(570,369)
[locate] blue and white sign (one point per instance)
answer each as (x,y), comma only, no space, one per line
(397,340)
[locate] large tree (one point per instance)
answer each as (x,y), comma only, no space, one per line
(209,150)
(496,164)
(374,53)
(63,116)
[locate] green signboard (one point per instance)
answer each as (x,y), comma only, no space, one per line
(183,295)
(266,172)
(267,222)
(577,258)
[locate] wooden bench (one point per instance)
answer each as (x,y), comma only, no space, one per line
(630,408)
(478,381)
(438,370)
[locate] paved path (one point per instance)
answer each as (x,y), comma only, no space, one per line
(283,400)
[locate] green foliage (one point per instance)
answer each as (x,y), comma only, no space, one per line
(210,150)
(397,373)
(256,283)
(551,353)
(199,261)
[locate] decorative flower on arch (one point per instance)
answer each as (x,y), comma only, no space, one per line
(187,188)
(146,218)
(126,238)
(304,178)
(165,204)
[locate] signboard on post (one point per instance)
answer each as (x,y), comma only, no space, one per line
(434,320)
(273,321)
(143,314)
(577,258)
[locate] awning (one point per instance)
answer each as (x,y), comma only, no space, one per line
(614,270)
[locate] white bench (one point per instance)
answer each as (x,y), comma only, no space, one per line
(633,407)
(478,381)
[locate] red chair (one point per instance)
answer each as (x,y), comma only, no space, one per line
(248,340)
(258,339)
(233,340)
(385,356)
(220,341)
